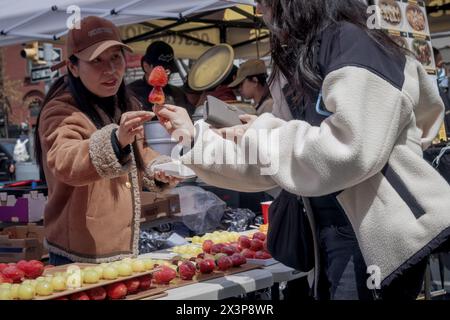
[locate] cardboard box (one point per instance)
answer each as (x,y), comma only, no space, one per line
(21,243)
(153,208)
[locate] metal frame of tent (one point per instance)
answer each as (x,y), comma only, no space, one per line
(120,10)
(256,23)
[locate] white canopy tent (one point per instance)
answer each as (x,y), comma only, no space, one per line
(26,20)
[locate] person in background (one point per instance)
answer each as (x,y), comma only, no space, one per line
(251,80)
(222,91)
(442,79)
(159,53)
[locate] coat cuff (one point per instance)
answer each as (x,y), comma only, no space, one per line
(103,157)
(149,181)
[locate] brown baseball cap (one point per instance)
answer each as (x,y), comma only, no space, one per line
(94,36)
(249,68)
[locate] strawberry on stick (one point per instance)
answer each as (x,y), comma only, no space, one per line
(158,79)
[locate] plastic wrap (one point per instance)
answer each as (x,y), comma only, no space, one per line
(152,240)
(237,220)
(201,211)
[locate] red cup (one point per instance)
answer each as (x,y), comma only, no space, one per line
(265,211)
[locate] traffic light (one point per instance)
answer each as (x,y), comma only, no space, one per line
(31,52)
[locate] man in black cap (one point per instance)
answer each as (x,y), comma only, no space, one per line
(159,53)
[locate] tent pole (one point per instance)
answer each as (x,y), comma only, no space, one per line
(258,33)
(216,23)
(108,12)
(181,35)
(246,14)
(143,13)
(147,24)
(145,36)
(240,44)
(223,34)
(32,35)
(158,30)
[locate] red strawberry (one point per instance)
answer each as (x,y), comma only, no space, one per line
(249,254)
(164,275)
(97,293)
(4,279)
(13,273)
(3,266)
(244,242)
(201,255)
(145,282)
(186,270)
(224,263)
(235,245)
(132,285)
(21,265)
(207,245)
(33,269)
(259,235)
(206,266)
(256,245)
(158,77)
(117,290)
(238,260)
(217,248)
(80,296)
(156,96)
(262,255)
(228,250)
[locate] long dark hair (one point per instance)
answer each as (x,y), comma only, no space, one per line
(85,101)
(294,27)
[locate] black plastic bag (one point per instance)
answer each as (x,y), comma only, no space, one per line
(237,220)
(290,239)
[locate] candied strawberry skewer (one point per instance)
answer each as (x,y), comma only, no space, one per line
(158,79)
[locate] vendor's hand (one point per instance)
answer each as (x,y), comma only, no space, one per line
(161,176)
(131,126)
(236,132)
(175,119)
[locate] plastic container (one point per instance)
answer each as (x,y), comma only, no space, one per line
(155,131)
(158,138)
(265,211)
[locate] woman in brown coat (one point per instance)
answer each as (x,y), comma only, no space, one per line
(89,142)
